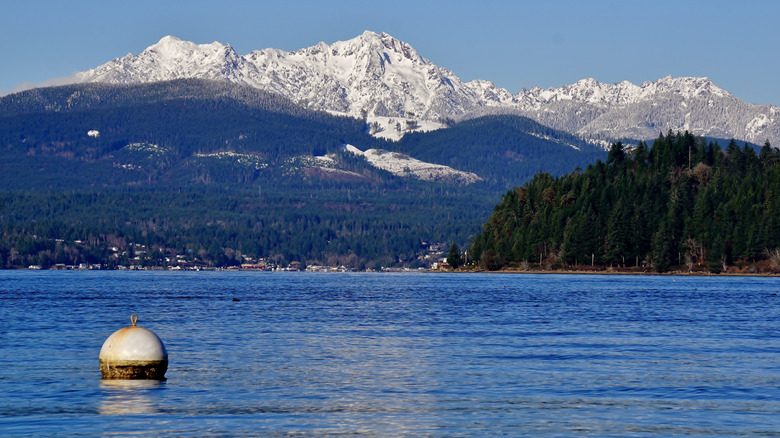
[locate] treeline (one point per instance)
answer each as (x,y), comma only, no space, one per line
(683,203)
(212,226)
(96,95)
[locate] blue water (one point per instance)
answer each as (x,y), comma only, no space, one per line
(394,355)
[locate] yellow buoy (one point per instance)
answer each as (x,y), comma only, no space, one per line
(133,353)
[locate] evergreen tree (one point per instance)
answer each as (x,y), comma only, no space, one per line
(454,258)
(616,154)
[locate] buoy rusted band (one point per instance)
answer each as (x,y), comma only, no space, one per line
(134,369)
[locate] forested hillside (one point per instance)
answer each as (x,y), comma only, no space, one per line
(103,136)
(683,204)
(198,131)
(502,149)
(209,226)
(214,174)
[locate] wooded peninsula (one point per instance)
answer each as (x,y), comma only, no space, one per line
(685,205)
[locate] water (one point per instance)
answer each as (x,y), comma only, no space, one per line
(394,355)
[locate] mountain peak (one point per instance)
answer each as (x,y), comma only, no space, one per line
(685,86)
(169,46)
(382,41)
(168,39)
(370,34)
(382,79)
(170,58)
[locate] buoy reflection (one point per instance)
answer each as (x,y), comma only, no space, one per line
(127,397)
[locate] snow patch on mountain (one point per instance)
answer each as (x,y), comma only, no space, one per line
(324,167)
(247,160)
(552,139)
(405,166)
(394,128)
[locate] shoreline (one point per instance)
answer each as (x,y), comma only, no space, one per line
(605,271)
(612,272)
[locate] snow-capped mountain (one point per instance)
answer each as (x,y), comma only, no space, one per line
(595,110)
(373,74)
(384,80)
(172,58)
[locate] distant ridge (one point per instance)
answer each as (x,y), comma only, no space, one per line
(378,77)
(199,130)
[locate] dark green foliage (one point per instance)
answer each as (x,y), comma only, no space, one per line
(454,259)
(683,201)
(501,149)
(194,169)
(180,127)
(218,226)
(169,132)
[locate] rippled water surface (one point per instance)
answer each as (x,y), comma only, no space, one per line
(394,355)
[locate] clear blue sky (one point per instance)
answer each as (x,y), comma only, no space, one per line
(515,44)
